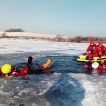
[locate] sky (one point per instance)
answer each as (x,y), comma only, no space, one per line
(65,17)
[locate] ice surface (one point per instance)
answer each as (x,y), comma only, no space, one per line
(63,88)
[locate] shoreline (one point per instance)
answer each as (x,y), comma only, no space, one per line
(49,37)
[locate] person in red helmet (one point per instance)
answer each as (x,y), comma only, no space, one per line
(102,48)
(92,50)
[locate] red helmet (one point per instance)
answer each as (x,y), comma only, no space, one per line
(91,42)
(100,43)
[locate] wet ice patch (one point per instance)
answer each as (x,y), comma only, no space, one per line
(65,91)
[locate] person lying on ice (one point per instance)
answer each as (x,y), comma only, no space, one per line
(102,48)
(92,50)
(8,69)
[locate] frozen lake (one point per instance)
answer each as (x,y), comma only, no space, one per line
(68,86)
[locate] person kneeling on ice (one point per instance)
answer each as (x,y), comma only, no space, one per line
(102,48)
(92,50)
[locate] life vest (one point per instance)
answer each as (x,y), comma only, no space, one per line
(93,49)
(102,49)
(24,71)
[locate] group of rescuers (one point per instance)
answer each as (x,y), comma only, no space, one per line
(93,50)
(96,50)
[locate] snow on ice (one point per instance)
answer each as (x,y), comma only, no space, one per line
(62,88)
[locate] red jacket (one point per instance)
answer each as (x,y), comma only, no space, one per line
(102,49)
(93,49)
(23,72)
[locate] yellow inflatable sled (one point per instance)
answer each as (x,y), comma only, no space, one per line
(83,58)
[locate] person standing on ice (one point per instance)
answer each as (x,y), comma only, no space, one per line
(102,48)
(92,50)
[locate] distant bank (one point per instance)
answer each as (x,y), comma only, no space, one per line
(50,37)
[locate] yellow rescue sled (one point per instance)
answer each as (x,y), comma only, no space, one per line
(83,58)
